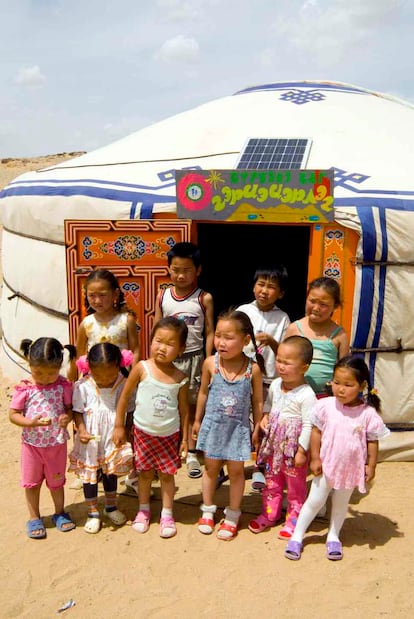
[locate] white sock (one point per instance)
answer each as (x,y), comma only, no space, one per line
(231,518)
(166,512)
(207,511)
(340,501)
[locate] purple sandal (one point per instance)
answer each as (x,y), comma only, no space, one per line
(334,551)
(293,550)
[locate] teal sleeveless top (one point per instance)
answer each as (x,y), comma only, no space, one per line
(325,355)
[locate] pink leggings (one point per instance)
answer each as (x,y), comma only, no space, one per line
(292,478)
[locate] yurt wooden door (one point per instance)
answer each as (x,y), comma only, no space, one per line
(135,252)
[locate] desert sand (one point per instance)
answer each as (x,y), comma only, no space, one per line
(121,573)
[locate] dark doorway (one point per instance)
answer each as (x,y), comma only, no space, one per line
(231,253)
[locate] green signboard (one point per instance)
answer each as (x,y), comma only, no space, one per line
(287,196)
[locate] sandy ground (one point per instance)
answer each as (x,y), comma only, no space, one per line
(121,573)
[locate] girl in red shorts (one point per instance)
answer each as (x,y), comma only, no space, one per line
(160,420)
(43,408)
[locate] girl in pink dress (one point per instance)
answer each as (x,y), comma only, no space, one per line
(42,406)
(344,450)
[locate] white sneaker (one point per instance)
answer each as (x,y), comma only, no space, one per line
(131,485)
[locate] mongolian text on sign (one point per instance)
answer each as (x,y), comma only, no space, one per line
(304,196)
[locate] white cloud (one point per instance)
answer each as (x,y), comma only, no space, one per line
(179,49)
(181,10)
(30,76)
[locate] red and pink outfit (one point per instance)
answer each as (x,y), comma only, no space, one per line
(289,426)
(44,448)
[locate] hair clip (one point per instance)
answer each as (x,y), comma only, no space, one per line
(374,391)
(127,358)
(82,364)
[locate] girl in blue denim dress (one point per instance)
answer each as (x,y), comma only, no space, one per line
(231,385)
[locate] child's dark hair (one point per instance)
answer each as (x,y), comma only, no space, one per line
(104,353)
(185,250)
(46,351)
(360,370)
(330,285)
(171,322)
(303,345)
(246,327)
(107,276)
(277,272)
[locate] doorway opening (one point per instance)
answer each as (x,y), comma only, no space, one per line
(231,253)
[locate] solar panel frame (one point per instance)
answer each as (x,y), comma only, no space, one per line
(274,154)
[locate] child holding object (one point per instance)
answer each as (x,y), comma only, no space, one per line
(329,340)
(43,408)
(94,404)
(287,426)
(344,450)
(160,421)
(231,384)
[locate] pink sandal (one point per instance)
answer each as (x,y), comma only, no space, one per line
(259,524)
(167,527)
(142,521)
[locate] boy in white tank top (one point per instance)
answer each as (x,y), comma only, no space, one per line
(186,301)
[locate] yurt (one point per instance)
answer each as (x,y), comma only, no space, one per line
(116,208)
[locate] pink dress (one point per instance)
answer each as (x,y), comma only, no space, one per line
(345,432)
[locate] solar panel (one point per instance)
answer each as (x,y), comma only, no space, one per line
(275,154)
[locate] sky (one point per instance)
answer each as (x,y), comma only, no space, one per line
(76,75)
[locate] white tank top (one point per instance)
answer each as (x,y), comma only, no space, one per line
(191,309)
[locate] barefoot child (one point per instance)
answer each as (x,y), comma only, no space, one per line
(344,450)
(43,408)
(287,426)
(160,420)
(94,404)
(231,384)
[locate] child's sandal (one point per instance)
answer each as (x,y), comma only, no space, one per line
(228,531)
(92,525)
(206,525)
(142,521)
(116,517)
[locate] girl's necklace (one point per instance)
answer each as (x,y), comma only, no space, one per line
(232,375)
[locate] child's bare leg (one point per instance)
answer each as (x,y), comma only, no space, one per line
(58,496)
(209,483)
(33,501)
(232,513)
(144,487)
(167,524)
(142,519)
(211,471)
(193,464)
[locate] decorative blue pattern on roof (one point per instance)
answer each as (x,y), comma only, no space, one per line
(320,86)
(299,97)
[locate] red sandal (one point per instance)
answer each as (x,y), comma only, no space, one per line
(206,525)
(228,528)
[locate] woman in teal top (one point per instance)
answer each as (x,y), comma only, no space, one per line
(330,341)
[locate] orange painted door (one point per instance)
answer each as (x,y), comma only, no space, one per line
(134,251)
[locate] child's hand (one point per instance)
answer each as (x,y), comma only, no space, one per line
(301,458)
(195,430)
(119,436)
(39,421)
(64,419)
(316,466)
(183,449)
(84,436)
(264,422)
(369,472)
(263,339)
(256,438)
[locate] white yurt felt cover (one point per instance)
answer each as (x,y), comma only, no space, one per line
(367,137)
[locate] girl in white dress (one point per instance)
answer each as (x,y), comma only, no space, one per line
(94,454)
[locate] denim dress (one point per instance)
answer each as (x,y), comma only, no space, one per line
(225,429)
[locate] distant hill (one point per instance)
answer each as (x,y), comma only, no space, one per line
(11,167)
